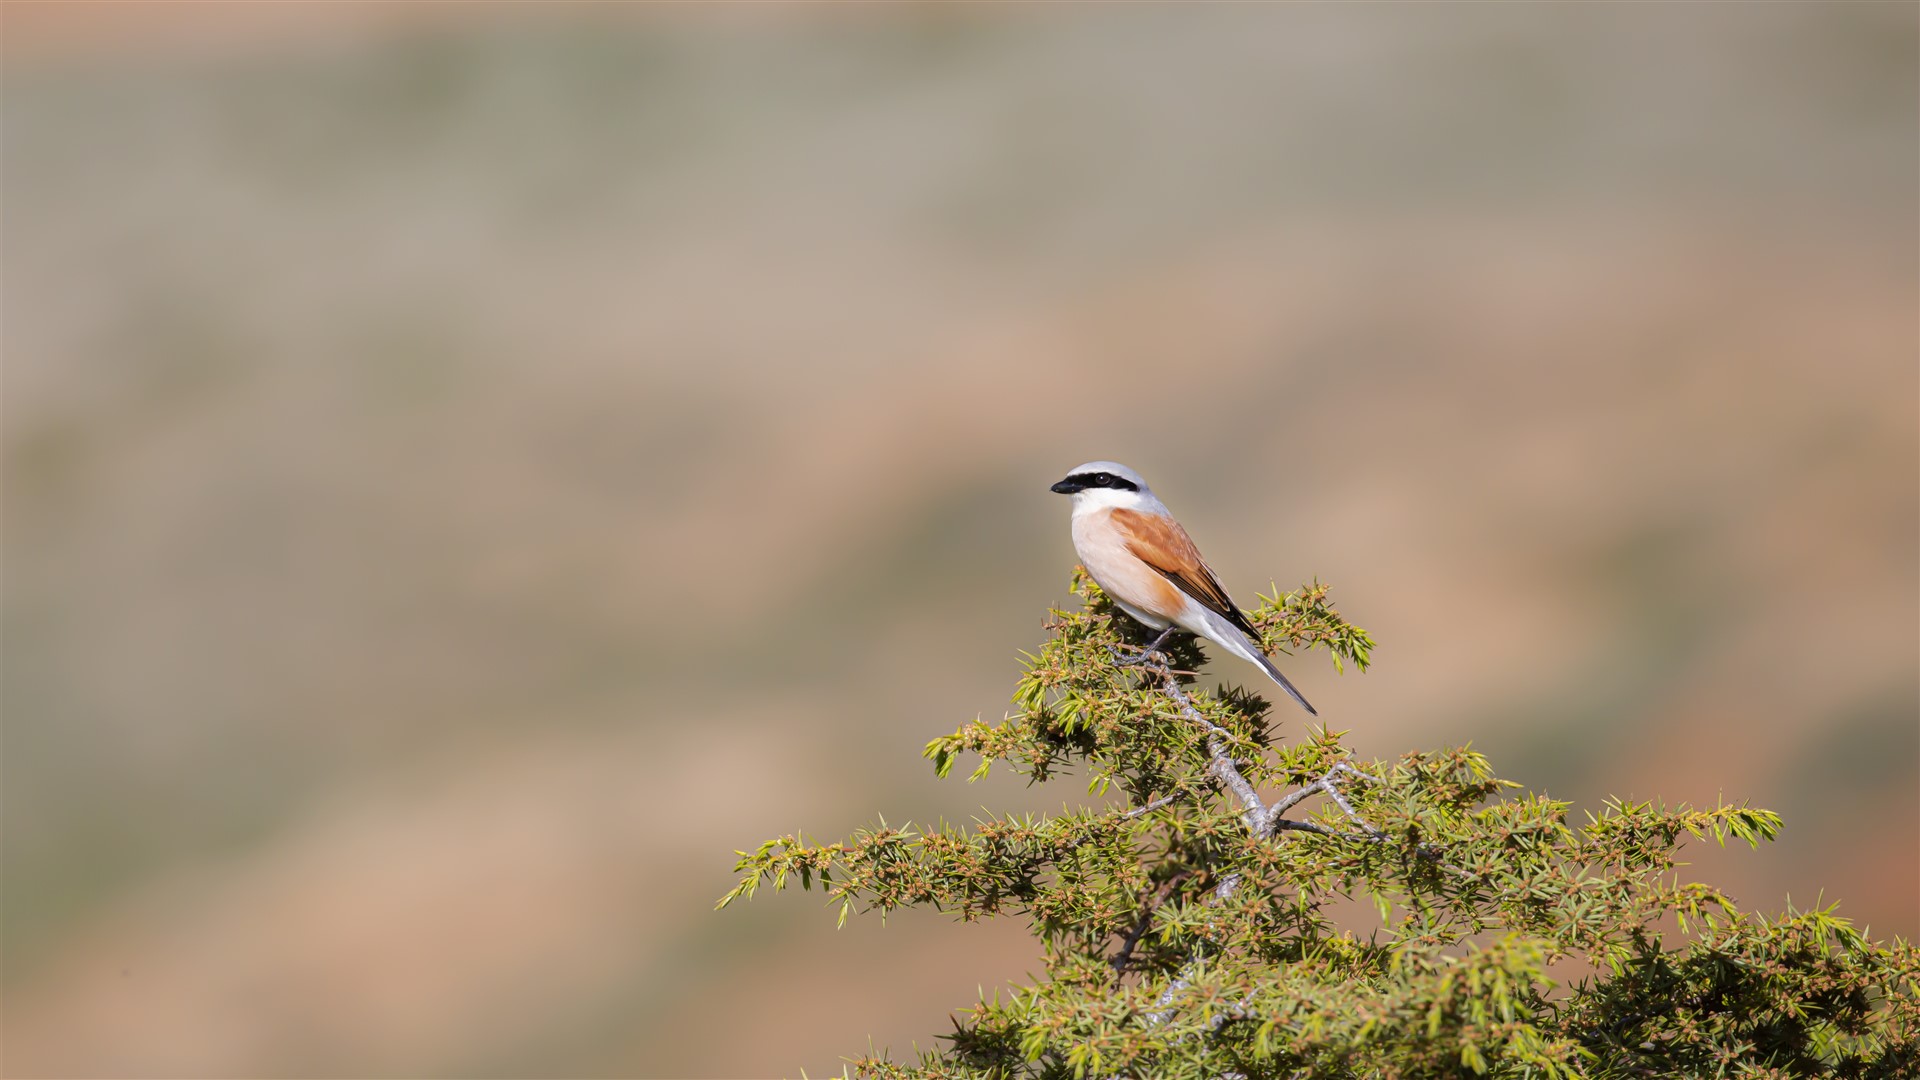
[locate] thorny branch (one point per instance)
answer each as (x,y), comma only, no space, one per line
(1149,808)
(1262,820)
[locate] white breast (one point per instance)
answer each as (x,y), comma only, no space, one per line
(1139,589)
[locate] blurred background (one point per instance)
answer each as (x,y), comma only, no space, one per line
(469,468)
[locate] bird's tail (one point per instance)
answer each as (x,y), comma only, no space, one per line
(1260,658)
(1234,641)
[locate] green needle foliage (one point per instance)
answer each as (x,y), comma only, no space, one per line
(1191,933)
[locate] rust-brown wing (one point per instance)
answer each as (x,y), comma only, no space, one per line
(1161,543)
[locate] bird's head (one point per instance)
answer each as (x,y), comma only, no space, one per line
(1105,483)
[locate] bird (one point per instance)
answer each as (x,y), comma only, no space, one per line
(1141,557)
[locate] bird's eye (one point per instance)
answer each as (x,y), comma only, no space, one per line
(1102,479)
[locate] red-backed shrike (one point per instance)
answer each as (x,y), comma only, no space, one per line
(1147,563)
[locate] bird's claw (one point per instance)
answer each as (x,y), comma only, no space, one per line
(1140,653)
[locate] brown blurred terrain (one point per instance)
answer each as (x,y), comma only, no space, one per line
(469,468)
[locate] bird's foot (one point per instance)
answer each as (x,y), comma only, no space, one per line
(1128,656)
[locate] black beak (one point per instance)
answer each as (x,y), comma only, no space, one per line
(1067,487)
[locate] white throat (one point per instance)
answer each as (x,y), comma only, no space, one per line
(1093,500)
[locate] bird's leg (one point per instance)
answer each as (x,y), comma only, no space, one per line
(1147,650)
(1154,645)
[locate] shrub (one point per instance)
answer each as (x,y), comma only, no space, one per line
(1188,931)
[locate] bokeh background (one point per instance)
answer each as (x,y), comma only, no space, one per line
(469,468)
